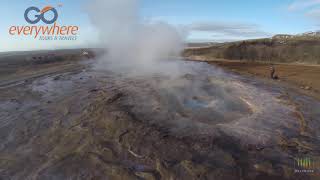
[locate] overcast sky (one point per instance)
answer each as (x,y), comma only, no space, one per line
(205,20)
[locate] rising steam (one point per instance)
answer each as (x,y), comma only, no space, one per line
(188,97)
(132,43)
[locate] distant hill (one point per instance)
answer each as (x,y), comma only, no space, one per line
(303,48)
(311,35)
(200,44)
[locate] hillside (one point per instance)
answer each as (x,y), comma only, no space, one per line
(303,48)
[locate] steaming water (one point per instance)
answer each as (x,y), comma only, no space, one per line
(201,99)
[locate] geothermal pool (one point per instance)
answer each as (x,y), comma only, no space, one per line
(154,122)
(199,99)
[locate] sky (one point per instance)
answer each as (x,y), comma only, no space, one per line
(204,20)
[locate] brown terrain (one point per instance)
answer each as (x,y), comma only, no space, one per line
(305,77)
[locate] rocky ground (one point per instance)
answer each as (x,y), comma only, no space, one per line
(67,120)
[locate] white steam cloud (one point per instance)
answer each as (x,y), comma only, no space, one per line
(132,43)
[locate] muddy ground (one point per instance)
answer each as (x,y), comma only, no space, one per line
(63,119)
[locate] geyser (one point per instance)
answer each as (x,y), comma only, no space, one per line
(133,44)
(184,97)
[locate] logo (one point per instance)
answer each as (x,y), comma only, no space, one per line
(306,165)
(40,15)
(51,31)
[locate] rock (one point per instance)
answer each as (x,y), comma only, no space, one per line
(66,111)
(193,169)
(264,167)
(306,87)
(115,98)
(164,172)
(145,175)
(94,90)
(188,76)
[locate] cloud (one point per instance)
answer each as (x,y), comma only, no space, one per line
(302,4)
(310,8)
(229,29)
(315,14)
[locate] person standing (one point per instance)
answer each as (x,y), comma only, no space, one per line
(272,72)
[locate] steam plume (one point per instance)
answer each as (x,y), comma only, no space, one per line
(132,43)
